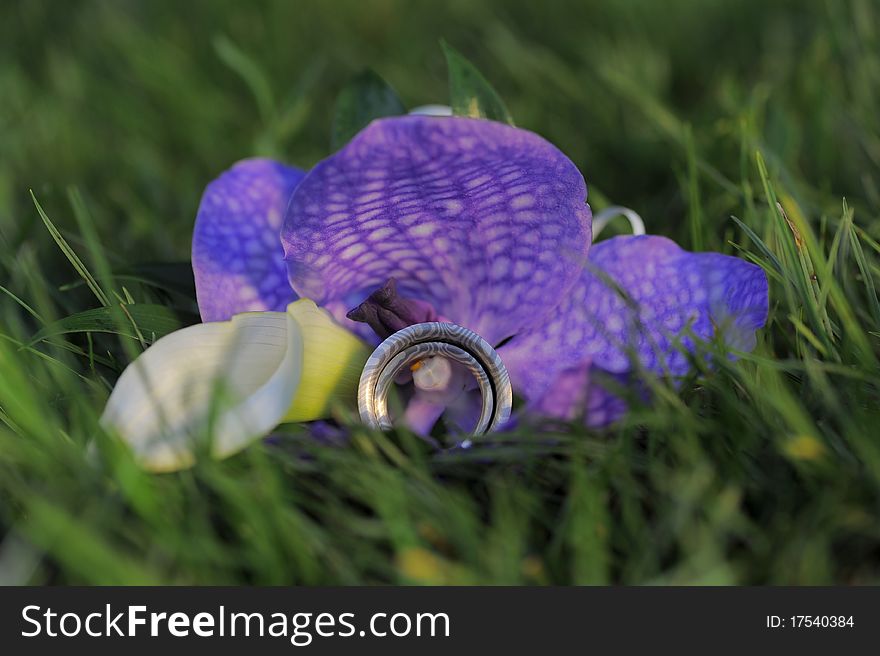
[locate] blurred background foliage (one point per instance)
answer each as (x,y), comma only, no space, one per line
(767,476)
(140,103)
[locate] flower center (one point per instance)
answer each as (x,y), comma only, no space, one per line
(432,374)
(386,311)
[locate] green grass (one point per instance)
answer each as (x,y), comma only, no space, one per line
(761,471)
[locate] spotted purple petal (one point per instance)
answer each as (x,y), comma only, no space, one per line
(662,293)
(580,392)
(567,393)
(237,256)
(485,222)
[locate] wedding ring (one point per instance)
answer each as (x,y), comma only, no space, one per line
(402,350)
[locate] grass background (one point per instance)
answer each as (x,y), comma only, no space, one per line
(764,471)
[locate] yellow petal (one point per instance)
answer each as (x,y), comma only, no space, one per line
(333,359)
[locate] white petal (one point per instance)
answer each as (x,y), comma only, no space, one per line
(233,380)
(432,110)
(602,219)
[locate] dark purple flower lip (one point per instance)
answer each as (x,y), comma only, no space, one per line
(387,312)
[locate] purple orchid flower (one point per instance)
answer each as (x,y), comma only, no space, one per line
(424,218)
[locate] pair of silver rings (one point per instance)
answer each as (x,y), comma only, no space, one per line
(414,344)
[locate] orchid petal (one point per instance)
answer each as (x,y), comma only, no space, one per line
(486,222)
(237,256)
(574,393)
(664,294)
(235,380)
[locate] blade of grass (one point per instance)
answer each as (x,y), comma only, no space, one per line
(72,257)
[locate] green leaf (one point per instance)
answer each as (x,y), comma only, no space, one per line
(757,241)
(861,262)
(249,71)
(366,97)
(70,254)
(137,321)
(170,276)
(470,94)
(173,278)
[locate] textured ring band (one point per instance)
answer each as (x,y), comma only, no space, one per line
(423,340)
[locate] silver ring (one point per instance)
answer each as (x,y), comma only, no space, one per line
(423,340)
